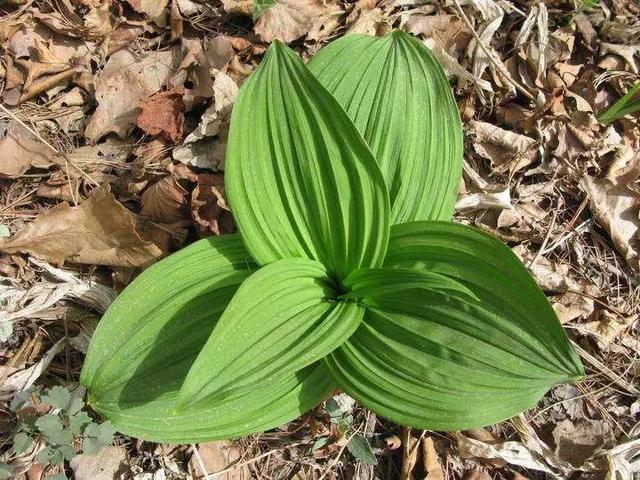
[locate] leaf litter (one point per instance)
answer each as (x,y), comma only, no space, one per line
(113,134)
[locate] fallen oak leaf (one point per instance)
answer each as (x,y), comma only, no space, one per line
(162,113)
(100,231)
(289,20)
(19,151)
(616,206)
(165,201)
(506,150)
(122,83)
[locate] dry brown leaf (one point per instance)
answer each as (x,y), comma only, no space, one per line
(209,208)
(576,442)
(200,149)
(448,31)
(326,24)
(626,52)
(13,380)
(514,453)
(608,327)
(367,18)
(409,453)
(98,21)
(107,464)
(289,20)
(165,201)
(154,9)
(216,456)
(550,276)
(616,206)
(163,113)
(476,473)
(431,461)
(572,306)
(478,201)
(122,83)
(19,151)
(243,7)
(508,151)
(100,231)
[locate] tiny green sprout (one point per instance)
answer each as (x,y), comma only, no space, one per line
(347,272)
(5,471)
(628,104)
(59,431)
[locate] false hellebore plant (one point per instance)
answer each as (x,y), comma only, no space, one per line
(347,272)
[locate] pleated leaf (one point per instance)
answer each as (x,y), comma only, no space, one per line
(282,319)
(152,417)
(301,180)
(147,341)
(399,98)
(467,352)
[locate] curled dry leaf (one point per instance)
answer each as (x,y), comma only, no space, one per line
(507,151)
(13,381)
(163,113)
(122,83)
(431,461)
(616,206)
(165,201)
(19,151)
(100,231)
(514,453)
(209,208)
(477,201)
(200,149)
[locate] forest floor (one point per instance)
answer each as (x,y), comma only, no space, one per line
(112,137)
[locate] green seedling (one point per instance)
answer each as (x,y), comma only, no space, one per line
(627,105)
(347,272)
(65,427)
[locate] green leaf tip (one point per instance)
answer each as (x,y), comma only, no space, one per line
(347,273)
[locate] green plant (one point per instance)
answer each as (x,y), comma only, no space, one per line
(342,176)
(59,430)
(624,106)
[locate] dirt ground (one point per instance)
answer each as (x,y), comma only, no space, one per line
(113,127)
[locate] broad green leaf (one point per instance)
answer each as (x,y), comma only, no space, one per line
(265,407)
(370,283)
(282,319)
(147,341)
(161,321)
(398,97)
(300,179)
(446,357)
